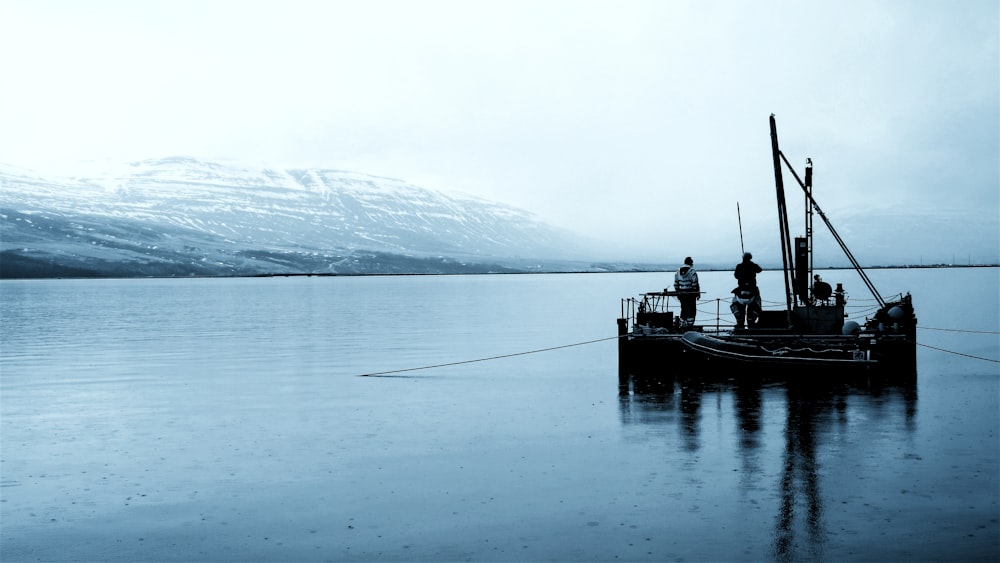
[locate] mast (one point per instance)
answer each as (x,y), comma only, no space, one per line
(843,245)
(786,244)
(807,189)
(809,228)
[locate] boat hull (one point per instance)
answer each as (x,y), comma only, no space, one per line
(809,339)
(660,354)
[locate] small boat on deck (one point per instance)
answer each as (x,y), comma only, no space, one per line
(809,338)
(777,351)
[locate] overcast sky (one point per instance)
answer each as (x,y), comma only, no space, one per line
(638,123)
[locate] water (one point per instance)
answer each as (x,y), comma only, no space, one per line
(229,420)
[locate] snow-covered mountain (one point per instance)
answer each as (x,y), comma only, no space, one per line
(183,216)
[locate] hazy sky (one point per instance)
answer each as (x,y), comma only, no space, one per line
(640,123)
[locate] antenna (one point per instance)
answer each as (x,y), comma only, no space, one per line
(740,219)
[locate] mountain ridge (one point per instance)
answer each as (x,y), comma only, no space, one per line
(185,216)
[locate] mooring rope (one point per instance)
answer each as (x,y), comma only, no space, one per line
(380,373)
(958,353)
(959,330)
(965,331)
(551,348)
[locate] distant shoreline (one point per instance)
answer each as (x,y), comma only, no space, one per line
(508,272)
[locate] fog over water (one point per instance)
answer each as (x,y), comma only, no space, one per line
(227,420)
(640,124)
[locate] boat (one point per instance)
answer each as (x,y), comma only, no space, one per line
(807,339)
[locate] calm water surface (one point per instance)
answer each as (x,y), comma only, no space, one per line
(229,420)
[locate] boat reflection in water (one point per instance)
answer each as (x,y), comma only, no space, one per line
(782,464)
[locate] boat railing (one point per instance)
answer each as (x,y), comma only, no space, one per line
(658,307)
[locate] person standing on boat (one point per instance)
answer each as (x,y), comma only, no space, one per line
(686,283)
(746,296)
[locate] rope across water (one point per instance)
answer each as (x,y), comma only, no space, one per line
(584,343)
(380,373)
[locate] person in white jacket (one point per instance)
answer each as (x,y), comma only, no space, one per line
(686,281)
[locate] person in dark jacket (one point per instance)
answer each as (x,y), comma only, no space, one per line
(746,295)
(686,281)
